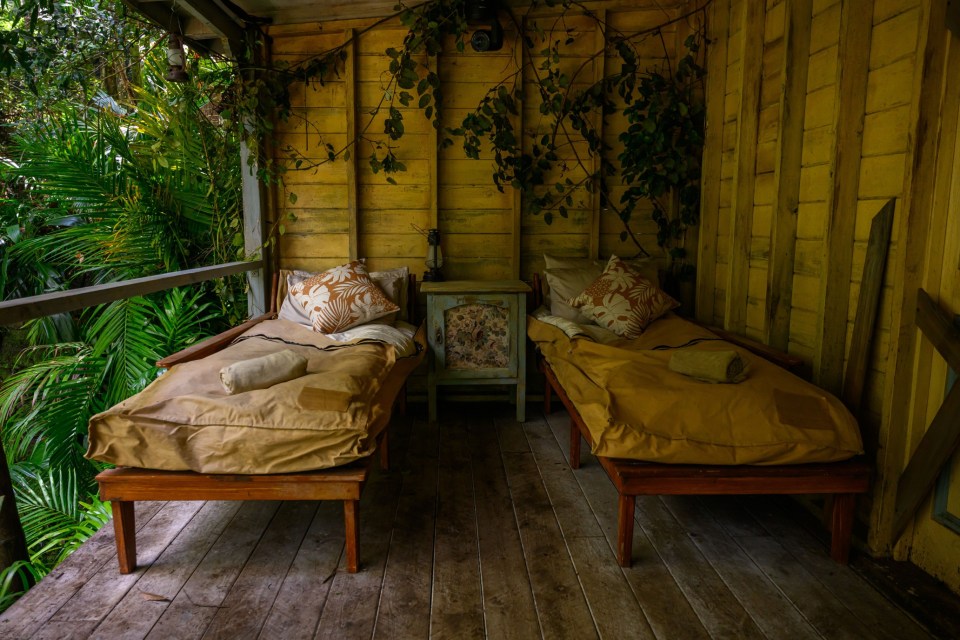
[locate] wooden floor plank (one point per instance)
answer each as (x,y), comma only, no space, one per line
(823,611)
(561,605)
(142,606)
(456,608)
(302,595)
(719,611)
(252,595)
(481,529)
(616,612)
(508,604)
(190,613)
(353,600)
(405,596)
(41,602)
(668,612)
(863,601)
(773,613)
(92,602)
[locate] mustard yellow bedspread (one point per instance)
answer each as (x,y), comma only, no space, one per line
(328,417)
(635,407)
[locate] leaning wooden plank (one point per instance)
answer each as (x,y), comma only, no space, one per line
(868,306)
(246,606)
(41,602)
(943,435)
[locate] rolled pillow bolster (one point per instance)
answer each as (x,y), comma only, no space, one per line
(262,372)
(709,366)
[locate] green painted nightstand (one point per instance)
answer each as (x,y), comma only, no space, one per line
(477,335)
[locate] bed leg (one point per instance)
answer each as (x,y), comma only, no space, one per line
(124,526)
(626,507)
(402,400)
(842,526)
(547,397)
(384,447)
(350,517)
(574,445)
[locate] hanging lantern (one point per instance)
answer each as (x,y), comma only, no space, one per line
(434,257)
(176,59)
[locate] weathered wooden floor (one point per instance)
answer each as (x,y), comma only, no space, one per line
(480,530)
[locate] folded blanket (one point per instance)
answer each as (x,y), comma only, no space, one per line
(262,372)
(709,366)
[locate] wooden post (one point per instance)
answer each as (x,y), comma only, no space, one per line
(599,63)
(741,213)
(520,59)
(353,187)
(718,21)
(913,226)
(433,160)
(786,178)
(855,32)
(255,204)
(841,526)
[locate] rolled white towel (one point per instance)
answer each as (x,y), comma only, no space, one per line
(262,372)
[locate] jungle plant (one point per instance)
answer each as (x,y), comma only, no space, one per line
(106,194)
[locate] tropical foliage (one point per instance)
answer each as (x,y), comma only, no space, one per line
(100,190)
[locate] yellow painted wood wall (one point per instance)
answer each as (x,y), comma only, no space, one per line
(343,210)
(818,112)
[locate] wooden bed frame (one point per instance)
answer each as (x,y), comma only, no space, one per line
(123,486)
(842,481)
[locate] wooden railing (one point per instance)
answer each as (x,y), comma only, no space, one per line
(23,309)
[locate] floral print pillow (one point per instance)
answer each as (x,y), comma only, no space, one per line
(622,300)
(342,297)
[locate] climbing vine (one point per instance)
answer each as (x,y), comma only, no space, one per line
(659,162)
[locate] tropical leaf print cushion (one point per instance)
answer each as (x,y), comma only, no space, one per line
(622,300)
(342,297)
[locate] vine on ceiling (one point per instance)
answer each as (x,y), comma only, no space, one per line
(662,145)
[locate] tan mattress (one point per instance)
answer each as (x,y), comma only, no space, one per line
(329,417)
(635,407)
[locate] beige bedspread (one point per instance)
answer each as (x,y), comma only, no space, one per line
(635,407)
(328,417)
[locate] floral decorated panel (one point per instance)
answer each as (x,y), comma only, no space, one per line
(477,336)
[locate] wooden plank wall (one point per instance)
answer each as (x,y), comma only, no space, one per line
(343,210)
(824,115)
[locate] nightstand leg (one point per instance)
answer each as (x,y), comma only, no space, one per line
(521,403)
(432,401)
